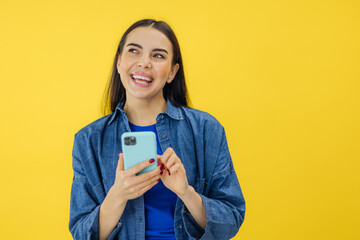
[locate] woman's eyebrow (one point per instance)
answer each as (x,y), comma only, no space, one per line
(134,44)
(154,50)
(160,50)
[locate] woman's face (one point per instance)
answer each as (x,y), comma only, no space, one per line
(145,64)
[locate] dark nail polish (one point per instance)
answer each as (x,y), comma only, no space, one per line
(161,172)
(158,180)
(169,172)
(151,160)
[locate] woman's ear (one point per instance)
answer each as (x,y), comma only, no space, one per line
(118,64)
(174,70)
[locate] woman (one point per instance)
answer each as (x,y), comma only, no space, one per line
(193,193)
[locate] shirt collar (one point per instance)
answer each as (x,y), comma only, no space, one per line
(171,111)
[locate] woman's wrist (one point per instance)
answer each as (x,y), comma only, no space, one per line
(188,194)
(110,213)
(115,199)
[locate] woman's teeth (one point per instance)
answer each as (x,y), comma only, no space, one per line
(141,79)
(142,82)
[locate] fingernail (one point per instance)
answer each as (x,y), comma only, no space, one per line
(169,172)
(159,180)
(162,167)
(161,172)
(151,160)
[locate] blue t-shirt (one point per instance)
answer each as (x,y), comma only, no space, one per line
(159,202)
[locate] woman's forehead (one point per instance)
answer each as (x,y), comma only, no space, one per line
(148,37)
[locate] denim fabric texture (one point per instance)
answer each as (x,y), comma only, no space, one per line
(200,142)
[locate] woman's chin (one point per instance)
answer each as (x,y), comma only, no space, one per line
(143,96)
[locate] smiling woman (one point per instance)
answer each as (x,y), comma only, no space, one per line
(175,91)
(193,193)
(145,65)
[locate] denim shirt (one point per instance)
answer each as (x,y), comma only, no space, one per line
(199,141)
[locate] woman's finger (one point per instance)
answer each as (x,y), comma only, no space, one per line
(159,160)
(166,155)
(137,188)
(174,168)
(120,165)
(146,176)
(140,166)
(136,180)
(129,180)
(171,161)
(147,188)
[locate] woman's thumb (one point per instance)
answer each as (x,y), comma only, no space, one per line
(120,165)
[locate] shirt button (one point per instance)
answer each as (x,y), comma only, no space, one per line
(180,226)
(164,136)
(162,116)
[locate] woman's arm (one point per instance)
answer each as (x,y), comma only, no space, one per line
(127,186)
(110,213)
(175,179)
(222,196)
(194,204)
(84,202)
(219,212)
(92,214)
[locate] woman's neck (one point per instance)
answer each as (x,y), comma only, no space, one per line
(142,112)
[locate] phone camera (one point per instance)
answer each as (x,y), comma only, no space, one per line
(130,140)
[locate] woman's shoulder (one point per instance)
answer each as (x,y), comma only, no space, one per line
(200,117)
(96,126)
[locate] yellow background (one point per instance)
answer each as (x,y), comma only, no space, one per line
(282,77)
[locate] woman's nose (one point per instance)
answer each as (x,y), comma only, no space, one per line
(144,62)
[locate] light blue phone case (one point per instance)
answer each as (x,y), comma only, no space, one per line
(143,149)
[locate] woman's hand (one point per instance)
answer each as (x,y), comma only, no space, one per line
(173,172)
(128,185)
(174,178)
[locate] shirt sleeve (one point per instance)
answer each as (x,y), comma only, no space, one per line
(85,200)
(223,199)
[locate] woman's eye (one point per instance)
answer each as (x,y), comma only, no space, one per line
(159,56)
(133,50)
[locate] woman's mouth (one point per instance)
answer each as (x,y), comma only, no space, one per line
(141,79)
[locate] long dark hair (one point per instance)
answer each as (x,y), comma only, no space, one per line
(175,91)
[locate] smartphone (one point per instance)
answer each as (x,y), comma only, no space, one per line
(138,147)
